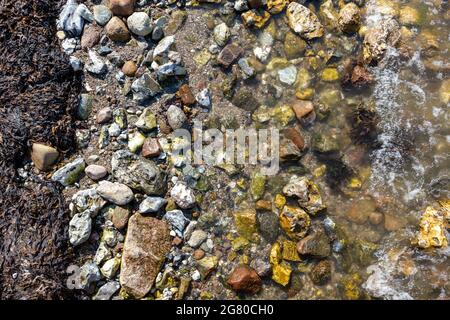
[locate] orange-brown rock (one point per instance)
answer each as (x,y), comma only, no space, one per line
(245,279)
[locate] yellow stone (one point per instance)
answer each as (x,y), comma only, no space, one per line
(239,243)
(410,16)
(241,183)
(283,115)
(281,273)
(280,201)
(263,205)
(276,6)
(255,18)
(244,259)
(277,63)
(295,222)
(305,94)
(202,58)
(320,171)
(354,183)
(432,229)
(275,254)
(245,221)
(444,91)
(232,255)
(290,251)
(330,74)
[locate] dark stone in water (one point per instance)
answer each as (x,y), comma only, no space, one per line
(321,272)
(229,54)
(268,225)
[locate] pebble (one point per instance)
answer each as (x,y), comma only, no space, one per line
(178,221)
(197,237)
(114,130)
(288,75)
(198,254)
(175,117)
(157,33)
(303,21)
(185,94)
(80,228)
(151,204)
(302,108)
(247,70)
(151,148)
(204,98)
(116,30)
(110,268)
(229,54)
(43,156)
(104,115)
(115,192)
(70,173)
(91,36)
(95,172)
(139,23)
(122,7)
(245,279)
(89,274)
(129,68)
(183,196)
(107,291)
(221,34)
(163,46)
(120,216)
(102,14)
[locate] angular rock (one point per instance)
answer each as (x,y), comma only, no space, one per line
(321,272)
(104,115)
(175,117)
(186,95)
(432,229)
(245,279)
(117,30)
(349,18)
(183,196)
(102,14)
(151,204)
(229,54)
(151,148)
(80,228)
(204,98)
(87,200)
(91,36)
(120,216)
(197,238)
(107,291)
(146,244)
(115,192)
(163,46)
(306,192)
(316,244)
(302,108)
(89,274)
(144,88)
(43,156)
(221,34)
(295,222)
(303,21)
(178,221)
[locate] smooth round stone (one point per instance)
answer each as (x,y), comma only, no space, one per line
(139,23)
(102,14)
(95,172)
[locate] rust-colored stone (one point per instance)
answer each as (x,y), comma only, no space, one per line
(245,279)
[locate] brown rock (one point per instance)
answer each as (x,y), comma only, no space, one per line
(302,108)
(104,115)
(177,241)
(151,148)
(263,205)
(186,95)
(316,244)
(229,54)
(245,279)
(120,217)
(116,30)
(146,244)
(129,68)
(255,4)
(43,156)
(321,272)
(294,135)
(375,218)
(91,36)
(393,223)
(122,7)
(198,254)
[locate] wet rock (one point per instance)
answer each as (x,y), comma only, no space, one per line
(246,70)
(378,38)
(185,94)
(303,21)
(104,115)
(116,30)
(151,148)
(175,117)
(221,34)
(294,46)
(135,141)
(95,172)
(70,173)
(107,291)
(43,156)
(288,150)
(177,220)
(375,218)
(197,238)
(146,121)
(444,91)
(144,88)
(302,108)
(183,196)
(140,24)
(80,228)
(307,193)
(207,265)
(281,273)
(321,272)
(330,75)
(129,68)
(432,229)
(268,225)
(229,54)
(115,192)
(295,222)
(245,279)
(410,16)
(146,245)
(89,275)
(122,7)
(255,18)
(359,77)
(293,134)
(261,266)
(102,14)
(177,20)
(91,36)
(349,18)
(245,99)
(324,144)
(245,221)
(276,6)
(393,223)
(138,173)
(316,244)
(85,106)
(282,115)
(288,75)
(120,216)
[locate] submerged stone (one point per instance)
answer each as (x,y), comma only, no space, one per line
(245,221)
(432,229)
(281,273)
(295,222)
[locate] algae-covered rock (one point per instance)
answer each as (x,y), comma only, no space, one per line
(294,46)
(349,18)
(283,115)
(245,221)
(257,185)
(289,252)
(281,273)
(70,173)
(255,18)
(295,222)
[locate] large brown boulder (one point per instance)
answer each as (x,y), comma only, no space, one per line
(146,244)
